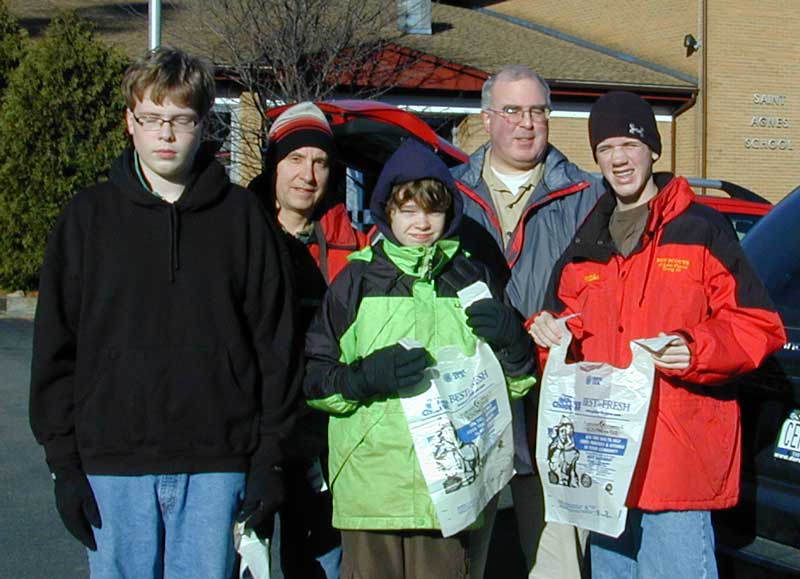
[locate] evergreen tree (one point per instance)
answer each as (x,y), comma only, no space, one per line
(12,44)
(61,125)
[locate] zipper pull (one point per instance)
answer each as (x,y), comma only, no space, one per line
(427,263)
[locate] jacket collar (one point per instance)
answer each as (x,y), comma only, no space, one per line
(593,239)
(674,197)
(419,261)
(207,185)
(337,228)
(556,175)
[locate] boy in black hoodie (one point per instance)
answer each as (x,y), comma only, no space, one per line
(163,345)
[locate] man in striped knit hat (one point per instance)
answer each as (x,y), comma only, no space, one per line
(299,165)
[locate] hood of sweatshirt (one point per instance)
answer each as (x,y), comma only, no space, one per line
(207,185)
(410,162)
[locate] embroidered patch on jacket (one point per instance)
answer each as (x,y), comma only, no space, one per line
(591,277)
(673,264)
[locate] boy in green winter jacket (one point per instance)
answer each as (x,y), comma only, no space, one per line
(402,287)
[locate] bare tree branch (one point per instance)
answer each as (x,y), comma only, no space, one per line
(291,50)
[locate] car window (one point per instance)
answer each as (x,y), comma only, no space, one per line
(786,296)
(782,267)
(742,223)
(773,248)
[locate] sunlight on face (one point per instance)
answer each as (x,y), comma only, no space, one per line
(413,226)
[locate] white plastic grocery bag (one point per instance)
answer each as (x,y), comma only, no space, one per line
(254,553)
(589,431)
(460,423)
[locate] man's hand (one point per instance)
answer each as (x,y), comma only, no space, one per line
(265,493)
(675,356)
(76,505)
(545,330)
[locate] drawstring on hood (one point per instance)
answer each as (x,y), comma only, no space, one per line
(174,236)
(207,185)
(413,161)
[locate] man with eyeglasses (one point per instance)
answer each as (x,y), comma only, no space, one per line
(163,356)
(523,201)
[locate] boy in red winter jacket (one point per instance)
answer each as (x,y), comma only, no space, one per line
(650,261)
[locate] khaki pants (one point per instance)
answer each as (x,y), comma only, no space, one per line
(404,555)
(551,550)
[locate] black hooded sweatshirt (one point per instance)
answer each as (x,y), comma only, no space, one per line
(163,338)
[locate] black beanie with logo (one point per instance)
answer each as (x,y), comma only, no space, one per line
(623,114)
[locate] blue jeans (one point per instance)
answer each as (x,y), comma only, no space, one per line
(330,562)
(657,545)
(165,526)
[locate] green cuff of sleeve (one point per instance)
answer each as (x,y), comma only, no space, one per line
(520,386)
(334,404)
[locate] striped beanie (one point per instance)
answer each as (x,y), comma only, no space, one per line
(301,125)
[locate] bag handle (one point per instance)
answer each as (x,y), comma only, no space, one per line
(557,358)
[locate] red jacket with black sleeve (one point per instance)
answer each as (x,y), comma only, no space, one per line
(337,239)
(688,275)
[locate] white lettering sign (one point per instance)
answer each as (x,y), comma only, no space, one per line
(768,144)
(769,99)
(770,122)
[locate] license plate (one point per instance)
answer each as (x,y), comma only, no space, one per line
(787,447)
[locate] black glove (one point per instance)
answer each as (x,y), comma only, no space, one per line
(501,327)
(495,322)
(76,505)
(264,495)
(384,372)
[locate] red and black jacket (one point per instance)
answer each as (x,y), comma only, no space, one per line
(688,275)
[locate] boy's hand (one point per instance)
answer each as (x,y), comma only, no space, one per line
(545,331)
(76,505)
(495,322)
(384,372)
(502,328)
(265,493)
(676,356)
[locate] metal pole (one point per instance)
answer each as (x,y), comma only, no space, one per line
(154,14)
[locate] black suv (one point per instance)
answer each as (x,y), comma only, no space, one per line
(765,527)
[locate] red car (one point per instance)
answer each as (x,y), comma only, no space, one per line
(743,207)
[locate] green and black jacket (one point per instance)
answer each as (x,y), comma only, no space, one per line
(389,292)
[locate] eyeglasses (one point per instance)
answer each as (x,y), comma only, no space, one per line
(179,123)
(515,114)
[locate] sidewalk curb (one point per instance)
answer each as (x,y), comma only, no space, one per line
(17,306)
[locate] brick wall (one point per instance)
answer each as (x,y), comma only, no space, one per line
(687,157)
(752,50)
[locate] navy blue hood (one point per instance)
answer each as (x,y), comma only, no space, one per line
(410,162)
